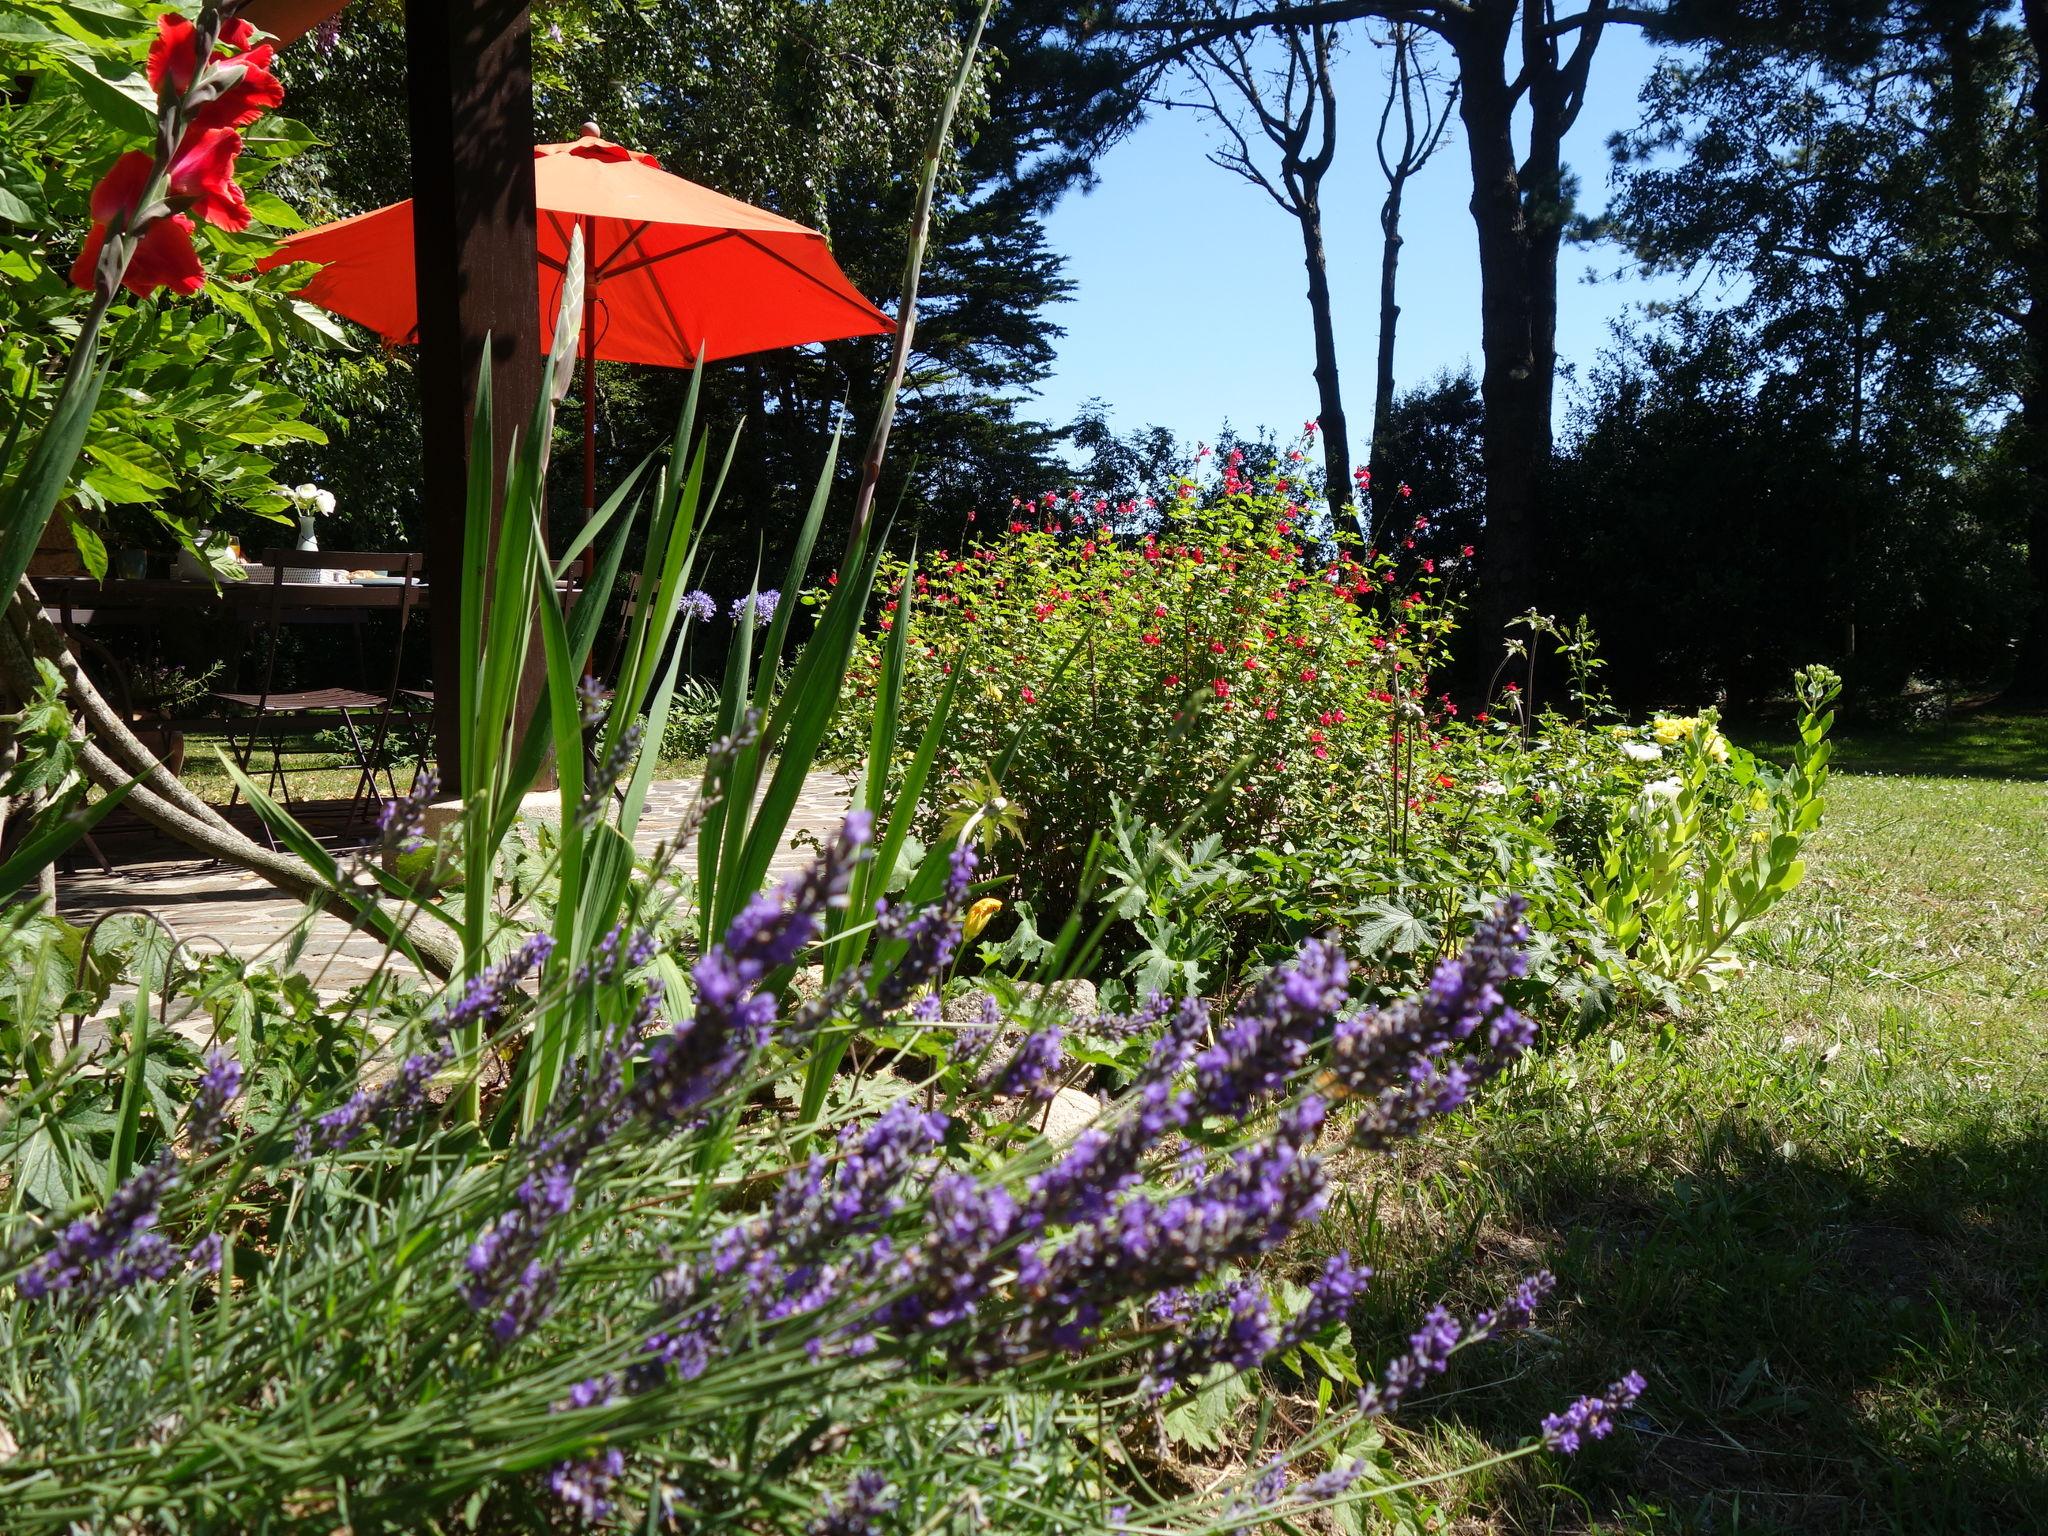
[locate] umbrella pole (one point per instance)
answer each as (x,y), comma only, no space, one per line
(589,392)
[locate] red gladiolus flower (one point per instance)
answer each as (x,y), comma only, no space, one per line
(1027,695)
(1173,679)
(1308,674)
(1217,646)
(173,63)
(164,257)
(1222,688)
(1150,637)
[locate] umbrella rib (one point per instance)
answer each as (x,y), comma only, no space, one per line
(604,268)
(547,260)
(681,250)
(851,303)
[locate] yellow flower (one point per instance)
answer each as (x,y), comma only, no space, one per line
(1672,729)
(1716,746)
(978,916)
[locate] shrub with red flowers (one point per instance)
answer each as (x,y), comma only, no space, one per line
(1145,652)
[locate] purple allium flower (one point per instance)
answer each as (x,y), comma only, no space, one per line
(586,1485)
(1591,1417)
(762,605)
(698,604)
(858,1510)
(1423,1056)
(220,1080)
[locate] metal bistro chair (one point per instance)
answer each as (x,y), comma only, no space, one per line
(272,715)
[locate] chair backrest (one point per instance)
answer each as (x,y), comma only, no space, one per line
(404,564)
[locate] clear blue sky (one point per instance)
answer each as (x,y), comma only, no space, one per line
(1191,302)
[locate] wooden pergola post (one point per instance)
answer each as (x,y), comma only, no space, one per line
(469,72)
(469,67)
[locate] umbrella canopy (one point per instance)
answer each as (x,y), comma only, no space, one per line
(675,268)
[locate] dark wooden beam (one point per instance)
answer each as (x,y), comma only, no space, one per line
(470,74)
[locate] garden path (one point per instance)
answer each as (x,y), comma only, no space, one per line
(211,906)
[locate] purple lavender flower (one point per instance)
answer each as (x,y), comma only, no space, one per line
(507,1278)
(1591,1417)
(858,1510)
(1431,1346)
(1330,1295)
(972,1040)
(113,1249)
(614,958)
(401,823)
(618,762)
(1422,1057)
(733,1017)
(1241,1335)
(1516,1312)
(591,701)
(1033,1072)
(586,1485)
(395,1105)
(220,1080)
(930,938)
(1261,1049)
(698,604)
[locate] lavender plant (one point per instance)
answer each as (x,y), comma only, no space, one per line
(600,1324)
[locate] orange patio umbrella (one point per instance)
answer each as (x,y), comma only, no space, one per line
(673,270)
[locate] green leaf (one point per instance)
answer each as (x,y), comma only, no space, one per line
(39,1167)
(269,208)
(1390,927)
(126,103)
(1202,1421)
(92,549)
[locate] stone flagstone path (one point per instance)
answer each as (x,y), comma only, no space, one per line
(211,906)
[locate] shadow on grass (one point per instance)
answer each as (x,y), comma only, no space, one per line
(1829,1348)
(1968,744)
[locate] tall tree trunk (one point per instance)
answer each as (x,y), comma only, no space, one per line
(1515,438)
(1383,366)
(1329,398)
(2030,674)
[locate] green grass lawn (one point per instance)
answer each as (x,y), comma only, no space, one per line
(1815,1215)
